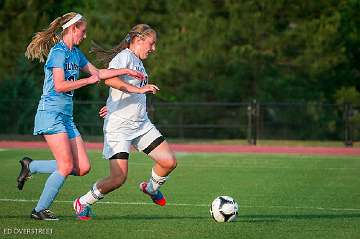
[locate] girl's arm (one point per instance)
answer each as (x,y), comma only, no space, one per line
(62,85)
(109,73)
(119,84)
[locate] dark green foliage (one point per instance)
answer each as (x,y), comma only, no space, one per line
(212,50)
(207,51)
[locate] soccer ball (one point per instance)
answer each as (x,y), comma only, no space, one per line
(224,209)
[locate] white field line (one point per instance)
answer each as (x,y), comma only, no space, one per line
(191,205)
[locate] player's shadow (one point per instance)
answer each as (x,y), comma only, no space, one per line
(270,217)
(240,219)
(111,217)
(143,217)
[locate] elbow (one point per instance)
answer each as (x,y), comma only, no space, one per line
(59,89)
(107,83)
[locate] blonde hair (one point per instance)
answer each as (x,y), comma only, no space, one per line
(43,41)
(105,56)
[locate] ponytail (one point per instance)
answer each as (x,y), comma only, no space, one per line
(105,56)
(43,41)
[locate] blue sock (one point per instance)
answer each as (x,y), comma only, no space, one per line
(51,189)
(42,166)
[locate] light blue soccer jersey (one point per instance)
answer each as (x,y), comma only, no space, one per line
(71,61)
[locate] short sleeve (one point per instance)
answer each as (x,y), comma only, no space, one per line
(83,60)
(56,58)
(121,60)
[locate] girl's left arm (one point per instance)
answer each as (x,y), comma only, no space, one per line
(110,73)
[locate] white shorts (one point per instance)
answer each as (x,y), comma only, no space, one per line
(114,143)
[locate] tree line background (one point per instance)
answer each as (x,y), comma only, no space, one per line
(207,50)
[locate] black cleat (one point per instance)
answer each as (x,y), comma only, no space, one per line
(44,214)
(24,172)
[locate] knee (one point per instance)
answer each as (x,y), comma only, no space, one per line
(170,163)
(65,169)
(173,163)
(84,170)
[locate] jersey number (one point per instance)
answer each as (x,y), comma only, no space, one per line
(144,82)
(70,93)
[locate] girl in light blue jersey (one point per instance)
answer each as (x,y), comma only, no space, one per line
(127,124)
(54,116)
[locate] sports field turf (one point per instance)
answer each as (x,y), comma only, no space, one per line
(280,196)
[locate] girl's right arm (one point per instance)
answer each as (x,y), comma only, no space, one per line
(62,85)
(109,73)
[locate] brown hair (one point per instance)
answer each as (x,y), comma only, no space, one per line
(105,56)
(42,42)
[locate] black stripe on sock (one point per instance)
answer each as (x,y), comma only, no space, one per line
(154,144)
(158,182)
(121,155)
(96,196)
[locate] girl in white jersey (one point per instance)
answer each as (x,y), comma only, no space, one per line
(127,123)
(54,119)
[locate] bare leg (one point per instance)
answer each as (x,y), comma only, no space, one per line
(81,160)
(117,177)
(59,145)
(165,161)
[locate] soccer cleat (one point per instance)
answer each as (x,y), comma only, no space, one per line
(83,212)
(24,172)
(158,198)
(44,214)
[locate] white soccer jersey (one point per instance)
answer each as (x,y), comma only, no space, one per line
(127,116)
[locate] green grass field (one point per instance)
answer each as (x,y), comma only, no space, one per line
(280,196)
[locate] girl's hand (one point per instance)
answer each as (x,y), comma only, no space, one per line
(135,74)
(149,88)
(103,112)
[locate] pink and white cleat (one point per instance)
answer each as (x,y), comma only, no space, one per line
(83,212)
(158,198)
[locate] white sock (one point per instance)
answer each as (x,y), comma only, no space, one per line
(155,182)
(92,196)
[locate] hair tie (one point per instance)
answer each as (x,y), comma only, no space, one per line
(128,38)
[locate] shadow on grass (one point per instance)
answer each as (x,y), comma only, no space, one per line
(241,218)
(109,217)
(147,217)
